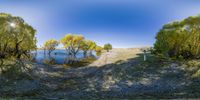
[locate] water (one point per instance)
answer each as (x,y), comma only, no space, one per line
(59,56)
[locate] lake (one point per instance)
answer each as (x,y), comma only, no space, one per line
(60,56)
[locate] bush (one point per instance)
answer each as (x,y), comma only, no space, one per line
(180,38)
(107,47)
(50,61)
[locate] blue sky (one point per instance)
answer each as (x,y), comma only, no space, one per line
(123,23)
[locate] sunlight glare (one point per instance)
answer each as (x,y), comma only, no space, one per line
(13,25)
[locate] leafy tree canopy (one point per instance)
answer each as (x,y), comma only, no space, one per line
(16,36)
(51,45)
(180,38)
(17,40)
(72,43)
(108,47)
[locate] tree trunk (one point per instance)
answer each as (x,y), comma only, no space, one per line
(85,54)
(49,53)
(1,65)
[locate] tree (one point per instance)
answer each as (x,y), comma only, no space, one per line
(107,47)
(92,47)
(51,45)
(98,50)
(179,39)
(87,45)
(17,38)
(72,43)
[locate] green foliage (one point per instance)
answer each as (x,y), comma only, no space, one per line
(98,50)
(193,67)
(87,45)
(81,63)
(107,47)
(17,38)
(50,61)
(179,39)
(51,45)
(72,43)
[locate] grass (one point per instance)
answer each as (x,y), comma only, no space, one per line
(81,63)
(13,70)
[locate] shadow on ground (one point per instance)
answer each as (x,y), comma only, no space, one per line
(134,78)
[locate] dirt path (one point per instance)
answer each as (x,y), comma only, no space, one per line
(116,55)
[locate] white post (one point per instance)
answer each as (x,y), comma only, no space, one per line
(145,55)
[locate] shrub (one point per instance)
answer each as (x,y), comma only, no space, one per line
(107,47)
(180,38)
